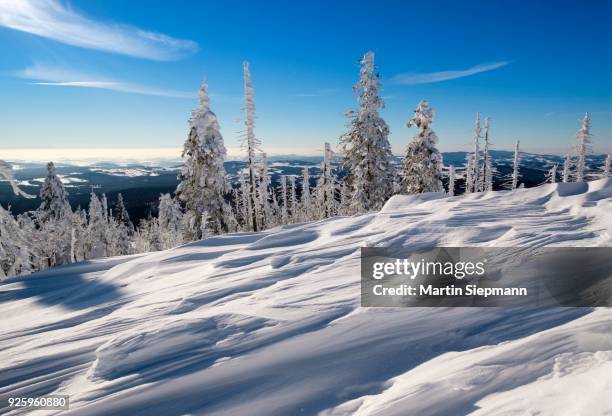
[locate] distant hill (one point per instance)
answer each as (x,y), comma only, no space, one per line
(142,184)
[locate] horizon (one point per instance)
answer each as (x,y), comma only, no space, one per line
(89,156)
(78,74)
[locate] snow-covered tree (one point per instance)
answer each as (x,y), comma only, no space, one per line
(78,236)
(250,144)
(477,135)
(145,233)
(15,255)
(96,228)
(233,224)
(345,207)
(203,183)
(53,196)
(566,168)
(263,193)
(15,244)
(582,147)
(306,200)
(469,173)
(606,165)
(124,228)
(285,206)
(121,214)
(486,180)
(451,180)
(293,201)
(325,192)
(422,166)
(366,148)
(170,221)
(515,170)
(552,174)
(243,207)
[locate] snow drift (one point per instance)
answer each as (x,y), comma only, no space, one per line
(269,323)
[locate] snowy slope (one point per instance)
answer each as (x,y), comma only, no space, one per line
(270,323)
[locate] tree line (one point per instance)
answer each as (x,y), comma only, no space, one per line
(205,203)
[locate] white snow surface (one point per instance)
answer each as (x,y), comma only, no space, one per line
(270,323)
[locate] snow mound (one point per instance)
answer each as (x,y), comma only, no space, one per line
(179,343)
(269,323)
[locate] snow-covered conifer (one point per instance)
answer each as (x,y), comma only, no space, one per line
(552,174)
(515,170)
(306,202)
(293,201)
(451,180)
(566,168)
(263,193)
(244,206)
(325,193)
(345,207)
(78,235)
(15,255)
(53,196)
(477,135)
(250,143)
(486,180)
(96,228)
(469,173)
(422,166)
(122,215)
(203,180)
(285,206)
(366,148)
(170,222)
(606,165)
(583,137)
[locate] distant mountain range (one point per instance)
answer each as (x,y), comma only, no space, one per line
(141,184)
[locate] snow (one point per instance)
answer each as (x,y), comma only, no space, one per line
(269,323)
(129,172)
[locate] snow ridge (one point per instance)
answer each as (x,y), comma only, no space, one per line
(269,323)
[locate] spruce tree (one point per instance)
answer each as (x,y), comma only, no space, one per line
(203,184)
(451,180)
(552,174)
(469,173)
(366,148)
(606,165)
(250,144)
(422,165)
(293,201)
(306,203)
(516,163)
(96,228)
(170,221)
(263,193)
(325,193)
(477,136)
(285,206)
(566,168)
(583,136)
(54,197)
(122,215)
(486,180)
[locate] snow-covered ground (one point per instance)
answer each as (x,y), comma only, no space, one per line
(270,324)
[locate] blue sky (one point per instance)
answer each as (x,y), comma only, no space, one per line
(111,73)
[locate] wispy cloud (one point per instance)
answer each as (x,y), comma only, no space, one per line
(429,77)
(57,77)
(55,20)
